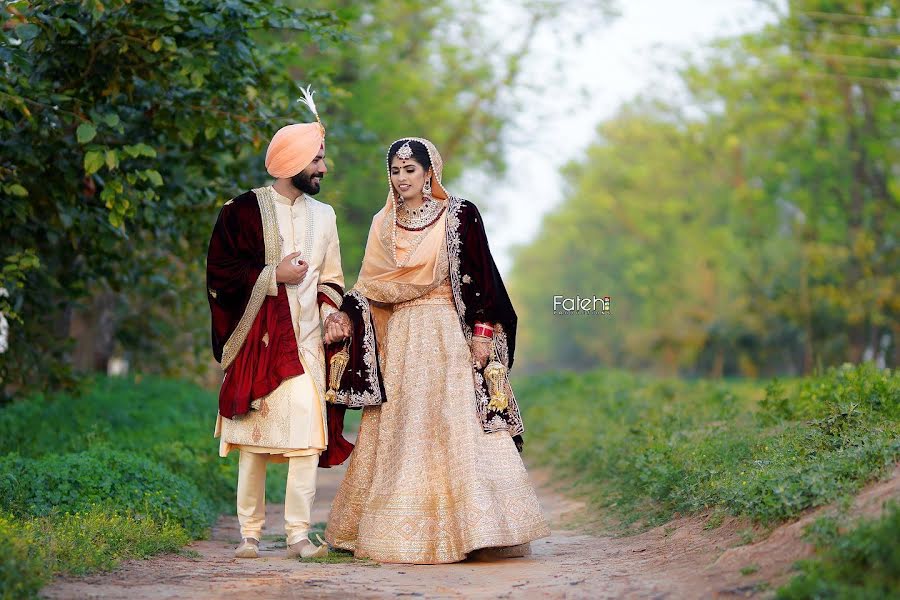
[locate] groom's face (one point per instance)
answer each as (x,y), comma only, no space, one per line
(309,179)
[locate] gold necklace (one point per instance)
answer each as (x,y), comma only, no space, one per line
(415,219)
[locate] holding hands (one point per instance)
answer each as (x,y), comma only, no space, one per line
(481,351)
(337,327)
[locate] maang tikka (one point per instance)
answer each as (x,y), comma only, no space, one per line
(405,152)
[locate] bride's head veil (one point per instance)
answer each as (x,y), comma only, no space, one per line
(437,169)
(438,192)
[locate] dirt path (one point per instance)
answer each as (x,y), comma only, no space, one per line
(677,560)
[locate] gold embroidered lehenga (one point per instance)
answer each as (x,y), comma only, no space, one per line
(435,473)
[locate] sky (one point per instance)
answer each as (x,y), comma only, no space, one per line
(577,88)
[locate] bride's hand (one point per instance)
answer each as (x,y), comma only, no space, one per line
(481,351)
(337,327)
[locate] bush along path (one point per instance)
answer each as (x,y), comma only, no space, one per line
(682,559)
(130,470)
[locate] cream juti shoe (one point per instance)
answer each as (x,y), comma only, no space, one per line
(249,548)
(306,549)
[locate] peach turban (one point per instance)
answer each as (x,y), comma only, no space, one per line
(292,148)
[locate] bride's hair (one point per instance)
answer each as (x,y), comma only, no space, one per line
(419,152)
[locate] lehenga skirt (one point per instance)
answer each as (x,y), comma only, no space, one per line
(425,484)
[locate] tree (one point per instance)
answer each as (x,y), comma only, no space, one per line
(757,238)
(433,68)
(124,126)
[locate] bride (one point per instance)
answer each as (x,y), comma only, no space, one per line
(436,473)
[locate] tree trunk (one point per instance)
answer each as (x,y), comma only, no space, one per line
(93,328)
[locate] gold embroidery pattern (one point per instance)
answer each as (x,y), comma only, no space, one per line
(314,364)
(513,420)
(393,293)
(442,294)
(237,339)
(372,396)
(454,206)
(332,294)
(280,421)
(425,483)
(513,415)
(258,294)
(271,237)
(390,292)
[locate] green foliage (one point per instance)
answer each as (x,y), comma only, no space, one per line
(102,477)
(754,234)
(98,538)
(124,125)
(414,71)
(128,469)
(21,566)
(649,448)
(862,563)
(168,421)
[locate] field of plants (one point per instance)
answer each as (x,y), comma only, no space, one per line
(643,450)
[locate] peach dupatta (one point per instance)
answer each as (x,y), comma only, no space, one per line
(422,265)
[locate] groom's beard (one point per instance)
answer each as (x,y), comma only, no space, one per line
(304,183)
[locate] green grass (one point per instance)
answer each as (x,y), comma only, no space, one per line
(335,555)
(131,469)
(127,470)
(859,561)
(170,422)
(646,449)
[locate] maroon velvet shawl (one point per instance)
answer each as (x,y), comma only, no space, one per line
(235,260)
(269,354)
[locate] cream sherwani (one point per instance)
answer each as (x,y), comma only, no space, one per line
(289,424)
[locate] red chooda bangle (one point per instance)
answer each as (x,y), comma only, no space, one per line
(484,329)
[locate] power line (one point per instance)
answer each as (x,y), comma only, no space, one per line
(850,18)
(866,60)
(865,39)
(891,84)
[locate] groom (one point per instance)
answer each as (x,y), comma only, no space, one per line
(273,275)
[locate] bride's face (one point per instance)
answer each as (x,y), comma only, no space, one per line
(408,178)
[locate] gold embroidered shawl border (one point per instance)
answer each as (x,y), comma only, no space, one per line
(332,294)
(372,396)
(513,422)
(272,244)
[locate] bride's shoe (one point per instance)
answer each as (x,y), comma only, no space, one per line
(500,552)
(306,549)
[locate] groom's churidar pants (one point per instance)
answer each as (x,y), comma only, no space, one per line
(251,495)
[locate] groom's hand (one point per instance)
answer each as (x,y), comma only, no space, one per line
(288,272)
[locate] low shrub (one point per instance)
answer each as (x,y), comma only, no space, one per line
(861,563)
(97,538)
(128,469)
(75,482)
(22,570)
(647,449)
